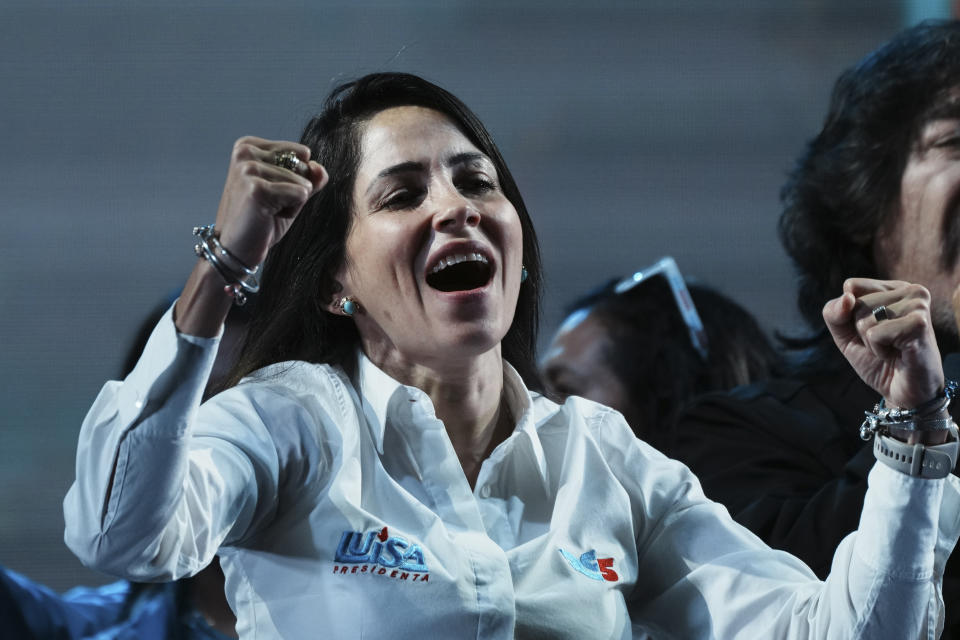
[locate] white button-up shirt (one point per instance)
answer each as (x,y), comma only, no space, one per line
(341,511)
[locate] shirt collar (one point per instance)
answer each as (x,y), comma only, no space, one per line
(520,403)
(377,390)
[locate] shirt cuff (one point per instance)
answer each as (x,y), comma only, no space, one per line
(900,523)
(171,361)
(949,524)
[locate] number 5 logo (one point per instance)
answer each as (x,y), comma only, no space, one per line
(590,565)
(606,569)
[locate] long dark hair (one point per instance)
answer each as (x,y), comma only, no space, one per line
(655,360)
(846,184)
(293,322)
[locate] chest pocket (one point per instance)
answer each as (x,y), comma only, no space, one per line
(566,592)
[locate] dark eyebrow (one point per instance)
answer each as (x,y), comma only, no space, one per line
(403,167)
(946,110)
(467,157)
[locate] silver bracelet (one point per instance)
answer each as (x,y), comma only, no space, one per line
(238,283)
(250,272)
(922,461)
(882,417)
(930,424)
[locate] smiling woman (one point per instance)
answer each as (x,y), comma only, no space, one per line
(380,463)
(433,206)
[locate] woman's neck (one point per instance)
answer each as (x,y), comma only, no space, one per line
(467,396)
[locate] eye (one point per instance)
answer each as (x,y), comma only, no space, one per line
(402,198)
(476,183)
(941,133)
(949,141)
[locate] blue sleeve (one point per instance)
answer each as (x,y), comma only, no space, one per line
(29,610)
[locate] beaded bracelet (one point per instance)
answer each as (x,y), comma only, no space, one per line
(240,280)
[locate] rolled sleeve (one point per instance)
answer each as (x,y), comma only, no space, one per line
(133,451)
(711,577)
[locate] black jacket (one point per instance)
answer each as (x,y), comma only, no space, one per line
(785,457)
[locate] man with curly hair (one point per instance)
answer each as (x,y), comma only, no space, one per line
(875,194)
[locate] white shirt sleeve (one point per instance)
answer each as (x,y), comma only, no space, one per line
(714,578)
(154,497)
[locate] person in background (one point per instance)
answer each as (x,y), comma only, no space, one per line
(875,194)
(647,344)
(193,608)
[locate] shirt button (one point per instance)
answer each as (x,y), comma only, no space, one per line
(485,491)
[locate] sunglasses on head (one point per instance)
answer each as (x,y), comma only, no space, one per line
(667,267)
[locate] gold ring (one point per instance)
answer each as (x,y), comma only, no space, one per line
(288,160)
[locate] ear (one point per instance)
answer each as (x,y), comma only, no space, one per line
(336,297)
(346,306)
(342,305)
(341,302)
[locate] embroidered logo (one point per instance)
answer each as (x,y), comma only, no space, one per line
(379,553)
(589,565)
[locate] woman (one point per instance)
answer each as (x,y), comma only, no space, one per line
(383,472)
(633,350)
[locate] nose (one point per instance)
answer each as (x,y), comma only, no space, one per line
(455,212)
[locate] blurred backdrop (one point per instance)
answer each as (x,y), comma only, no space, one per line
(634,128)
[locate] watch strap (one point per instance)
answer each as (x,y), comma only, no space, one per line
(923,461)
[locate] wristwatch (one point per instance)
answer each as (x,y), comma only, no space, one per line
(922,461)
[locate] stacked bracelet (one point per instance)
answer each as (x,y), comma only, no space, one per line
(925,417)
(925,461)
(240,278)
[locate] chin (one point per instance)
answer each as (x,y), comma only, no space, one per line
(470,341)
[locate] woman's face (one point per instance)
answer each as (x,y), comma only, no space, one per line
(434,251)
(577,363)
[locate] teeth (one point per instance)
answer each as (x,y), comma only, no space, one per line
(458,258)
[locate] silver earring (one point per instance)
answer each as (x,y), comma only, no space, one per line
(524,274)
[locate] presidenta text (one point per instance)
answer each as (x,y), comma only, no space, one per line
(377,553)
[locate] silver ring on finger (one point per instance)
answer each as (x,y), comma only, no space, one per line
(288,160)
(880,313)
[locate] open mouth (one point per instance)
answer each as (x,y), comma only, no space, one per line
(460,272)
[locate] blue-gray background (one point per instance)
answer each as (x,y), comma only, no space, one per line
(634,128)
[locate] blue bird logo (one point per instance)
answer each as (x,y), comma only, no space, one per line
(589,565)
